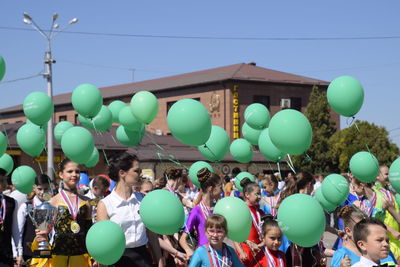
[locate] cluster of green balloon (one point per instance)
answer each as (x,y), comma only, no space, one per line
(87,100)
(162,212)
(144,106)
(2,67)
(268,149)
(101,122)
(6,163)
(130,138)
(115,107)
(250,134)
(325,204)
(77,144)
(38,108)
(195,168)
(189,122)
(294,215)
(241,150)
(23,179)
(129,121)
(237,215)
(105,242)
(290,131)
(394,175)
(364,166)
(240,177)
(335,189)
(3,144)
(216,146)
(257,116)
(345,95)
(31,139)
(60,129)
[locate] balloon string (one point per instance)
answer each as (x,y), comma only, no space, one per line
(102,137)
(40,166)
(53,170)
(270,166)
(290,163)
(279,170)
(350,120)
(205,145)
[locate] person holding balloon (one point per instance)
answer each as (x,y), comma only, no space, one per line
(270,195)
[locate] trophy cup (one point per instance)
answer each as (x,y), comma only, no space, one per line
(43,217)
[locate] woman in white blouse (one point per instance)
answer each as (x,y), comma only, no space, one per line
(122,207)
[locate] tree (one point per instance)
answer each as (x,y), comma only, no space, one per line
(345,143)
(318,113)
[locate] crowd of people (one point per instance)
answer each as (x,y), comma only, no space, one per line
(366,224)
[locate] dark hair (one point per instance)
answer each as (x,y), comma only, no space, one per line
(271,179)
(358,183)
(268,223)
(227,179)
(206,179)
(236,171)
(294,186)
(361,230)
(248,185)
(216,221)
(347,213)
(42,179)
(120,161)
(173,174)
(63,163)
(101,181)
(2,172)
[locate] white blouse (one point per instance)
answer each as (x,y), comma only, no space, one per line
(126,214)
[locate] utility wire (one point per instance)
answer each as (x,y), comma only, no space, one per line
(23,78)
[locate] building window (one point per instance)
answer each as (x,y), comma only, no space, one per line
(62,118)
(295,103)
(76,121)
(262,99)
(170,103)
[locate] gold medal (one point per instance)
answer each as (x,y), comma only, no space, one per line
(75,228)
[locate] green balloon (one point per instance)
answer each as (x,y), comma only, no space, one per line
(301,219)
(103,120)
(364,166)
(250,134)
(216,146)
(345,95)
(335,189)
(241,150)
(87,100)
(31,139)
(195,168)
(162,212)
(6,163)
(397,198)
(257,116)
(128,120)
(144,106)
(290,132)
(190,122)
(87,123)
(44,126)
(129,138)
(94,158)
(77,144)
(237,215)
(60,129)
(3,144)
(2,67)
(105,242)
(268,149)
(325,204)
(394,175)
(240,177)
(23,179)
(38,108)
(115,107)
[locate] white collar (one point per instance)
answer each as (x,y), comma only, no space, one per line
(120,201)
(367,262)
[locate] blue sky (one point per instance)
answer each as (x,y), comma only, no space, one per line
(106,60)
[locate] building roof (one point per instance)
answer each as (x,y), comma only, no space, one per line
(236,72)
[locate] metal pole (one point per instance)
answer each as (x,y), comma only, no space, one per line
(48,61)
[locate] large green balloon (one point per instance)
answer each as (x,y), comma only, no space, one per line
(237,216)
(130,138)
(325,204)
(23,179)
(364,166)
(240,177)
(2,67)
(77,144)
(335,189)
(144,106)
(257,116)
(6,163)
(345,95)
(301,219)
(94,158)
(115,107)
(105,242)
(31,139)
(250,134)
(3,144)
(60,129)
(216,146)
(103,120)
(290,131)
(128,120)
(193,170)
(241,150)
(394,175)
(268,149)
(87,123)
(162,212)
(190,122)
(87,100)
(38,108)
(44,126)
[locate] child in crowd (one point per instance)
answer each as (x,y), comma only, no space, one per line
(372,241)
(146,187)
(270,195)
(215,252)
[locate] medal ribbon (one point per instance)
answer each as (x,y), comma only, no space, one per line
(73,210)
(272,203)
(368,206)
(257,224)
(170,189)
(3,209)
(204,209)
(271,261)
(387,194)
(215,260)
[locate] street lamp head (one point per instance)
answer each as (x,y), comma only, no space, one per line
(73,21)
(27,21)
(55,16)
(27,16)
(56,26)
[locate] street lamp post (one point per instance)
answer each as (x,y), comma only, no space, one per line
(48,75)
